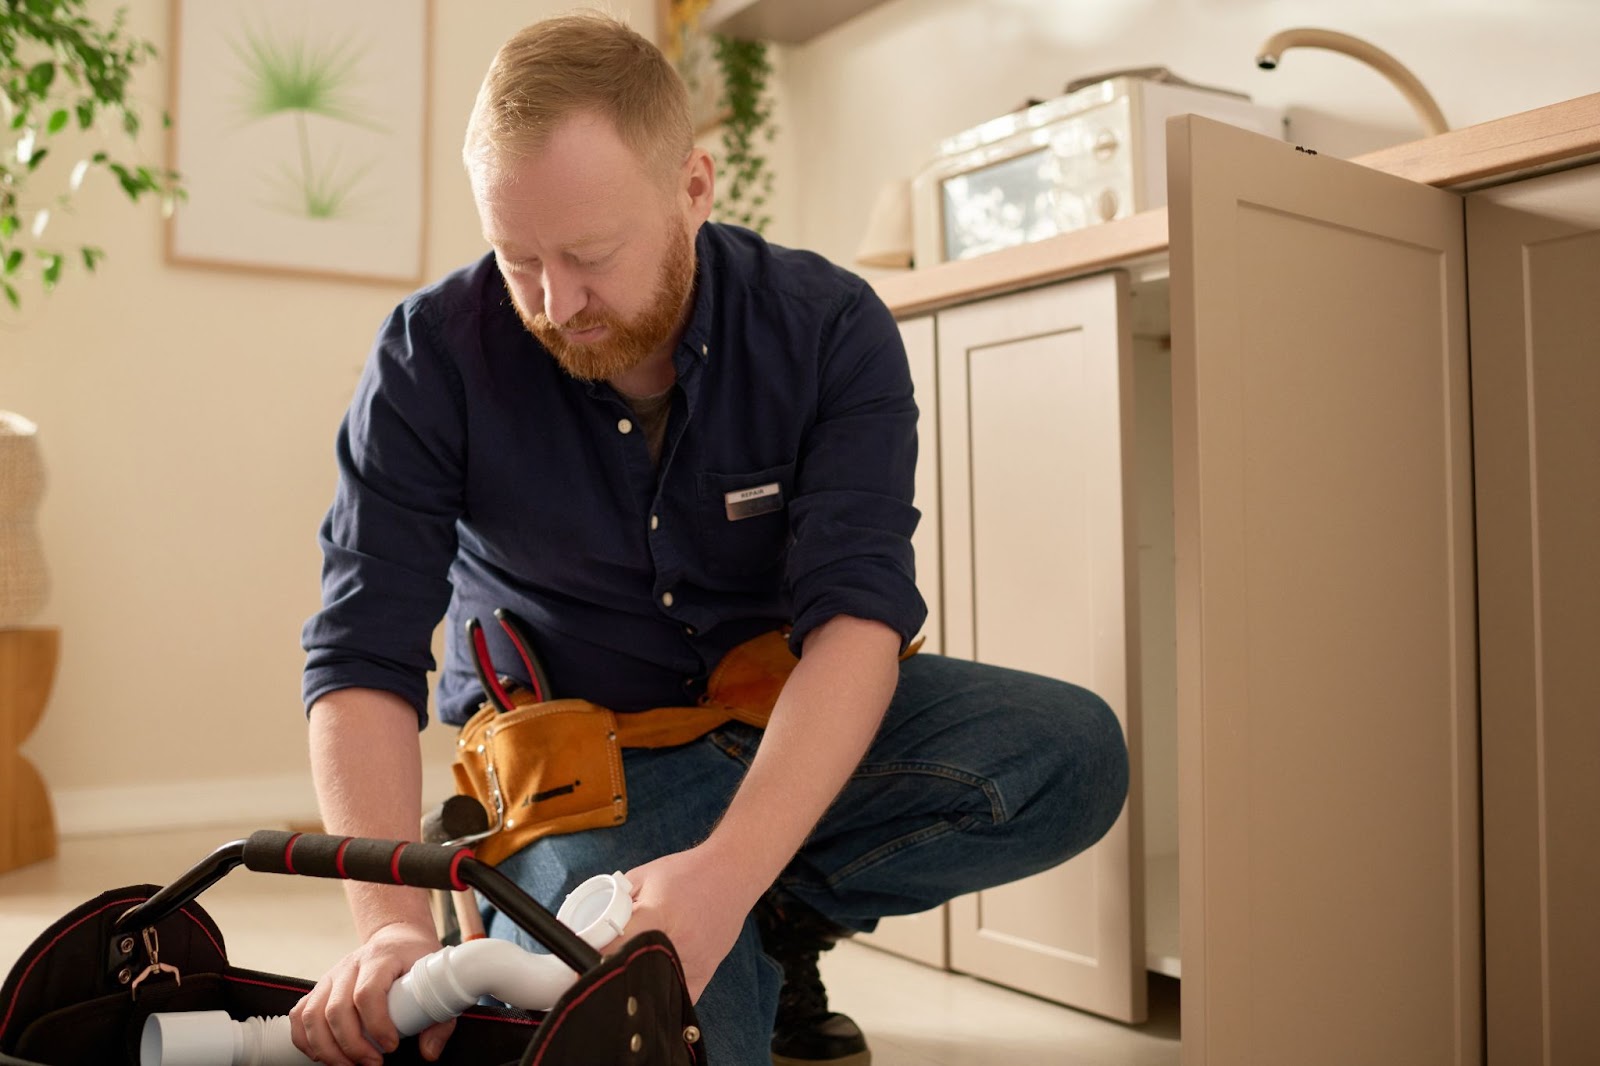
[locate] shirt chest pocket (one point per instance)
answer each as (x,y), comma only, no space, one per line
(742,520)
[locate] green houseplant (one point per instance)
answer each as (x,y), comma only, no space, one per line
(739,72)
(63,75)
(746,128)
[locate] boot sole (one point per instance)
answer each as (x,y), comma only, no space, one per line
(859,1058)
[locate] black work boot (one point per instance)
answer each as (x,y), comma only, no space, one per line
(806,1033)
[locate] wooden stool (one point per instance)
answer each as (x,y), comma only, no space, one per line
(27,672)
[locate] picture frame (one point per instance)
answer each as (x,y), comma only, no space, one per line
(300,130)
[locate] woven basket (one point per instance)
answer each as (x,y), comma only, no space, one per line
(24,581)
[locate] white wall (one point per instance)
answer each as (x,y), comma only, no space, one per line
(872,98)
(187,421)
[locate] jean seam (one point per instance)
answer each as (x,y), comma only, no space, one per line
(731,748)
(997,806)
(910,840)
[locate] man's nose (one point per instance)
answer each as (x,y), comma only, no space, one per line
(564,296)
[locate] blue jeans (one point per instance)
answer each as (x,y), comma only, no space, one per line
(978,776)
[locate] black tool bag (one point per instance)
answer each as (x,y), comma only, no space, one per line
(82,991)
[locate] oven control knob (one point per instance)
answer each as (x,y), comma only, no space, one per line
(1105,145)
(1108,204)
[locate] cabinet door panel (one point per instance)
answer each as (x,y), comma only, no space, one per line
(1328,754)
(1534,254)
(1035,397)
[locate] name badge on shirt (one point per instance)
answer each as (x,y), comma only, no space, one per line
(747,503)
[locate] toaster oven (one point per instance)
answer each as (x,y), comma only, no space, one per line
(1092,155)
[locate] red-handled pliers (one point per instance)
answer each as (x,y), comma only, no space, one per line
(488,677)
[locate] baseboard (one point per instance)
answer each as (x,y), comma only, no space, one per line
(236,802)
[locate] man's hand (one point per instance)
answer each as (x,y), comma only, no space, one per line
(696,902)
(344,1021)
(823,721)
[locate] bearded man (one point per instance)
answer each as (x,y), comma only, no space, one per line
(655,438)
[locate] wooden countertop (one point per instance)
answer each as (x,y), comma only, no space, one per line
(1561,133)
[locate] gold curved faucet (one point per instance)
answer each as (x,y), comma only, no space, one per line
(1370,54)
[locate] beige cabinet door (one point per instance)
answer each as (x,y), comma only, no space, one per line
(1035,408)
(922,936)
(1327,713)
(1534,256)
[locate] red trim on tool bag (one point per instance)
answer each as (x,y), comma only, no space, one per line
(262,984)
(288,853)
(54,941)
(338,857)
(618,972)
(455,869)
(185,912)
(532,1023)
(394,864)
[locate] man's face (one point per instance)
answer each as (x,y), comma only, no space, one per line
(597,252)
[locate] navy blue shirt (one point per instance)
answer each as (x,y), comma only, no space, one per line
(474,473)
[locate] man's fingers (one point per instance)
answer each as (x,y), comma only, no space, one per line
(433,1038)
(297,1025)
(321,1046)
(372,1005)
(308,1026)
(344,1024)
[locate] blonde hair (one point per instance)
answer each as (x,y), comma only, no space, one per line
(581,62)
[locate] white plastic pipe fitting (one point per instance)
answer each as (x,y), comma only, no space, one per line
(437,988)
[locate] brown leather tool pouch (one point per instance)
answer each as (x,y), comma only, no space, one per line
(553,767)
(556,767)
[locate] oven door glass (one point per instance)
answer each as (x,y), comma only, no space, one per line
(1006,203)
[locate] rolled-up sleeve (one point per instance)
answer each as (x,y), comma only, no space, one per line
(852,515)
(390,536)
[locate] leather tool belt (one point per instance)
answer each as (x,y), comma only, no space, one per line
(551,767)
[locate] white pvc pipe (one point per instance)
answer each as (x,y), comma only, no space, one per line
(437,988)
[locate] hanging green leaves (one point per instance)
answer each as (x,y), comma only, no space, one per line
(57,64)
(746,131)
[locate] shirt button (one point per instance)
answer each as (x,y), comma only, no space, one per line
(666,599)
(654,522)
(689,630)
(705,349)
(624,426)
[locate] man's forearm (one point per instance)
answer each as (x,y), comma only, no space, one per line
(367,764)
(825,719)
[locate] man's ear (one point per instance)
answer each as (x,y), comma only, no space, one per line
(697,183)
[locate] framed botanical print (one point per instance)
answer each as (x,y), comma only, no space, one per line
(300,129)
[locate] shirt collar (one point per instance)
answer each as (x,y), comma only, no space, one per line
(696,344)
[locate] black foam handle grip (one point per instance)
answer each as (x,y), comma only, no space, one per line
(383,862)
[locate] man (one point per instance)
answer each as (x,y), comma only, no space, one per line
(655,438)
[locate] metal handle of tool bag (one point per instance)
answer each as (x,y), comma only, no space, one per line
(383,862)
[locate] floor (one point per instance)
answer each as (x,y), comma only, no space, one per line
(913,1015)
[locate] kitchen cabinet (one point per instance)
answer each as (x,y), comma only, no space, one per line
(1533,251)
(1018,410)
(1327,676)
(1380,550)
(1035,453)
